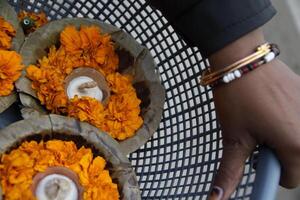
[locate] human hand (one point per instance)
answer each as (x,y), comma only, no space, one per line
(262,107)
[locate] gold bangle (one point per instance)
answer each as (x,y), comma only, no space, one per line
(209,77)
(213,79)
(260,49)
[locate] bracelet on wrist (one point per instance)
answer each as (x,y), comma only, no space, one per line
(264,53)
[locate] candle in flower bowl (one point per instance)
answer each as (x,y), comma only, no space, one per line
(57,183)
(133,111)
(86,81)
(59,158)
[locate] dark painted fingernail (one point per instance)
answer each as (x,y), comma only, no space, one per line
(216,193)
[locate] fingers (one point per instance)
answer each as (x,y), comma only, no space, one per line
(230,170)
(287,150)
(289,179)
(290,174)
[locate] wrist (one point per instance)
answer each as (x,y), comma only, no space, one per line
(237,50)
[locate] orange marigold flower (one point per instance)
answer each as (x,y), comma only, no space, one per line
(93,48)
(7,32)
(71,40)
(50,87)
(18,168)
(122,116)
(120,83)
(123,110)
(10,70)
(86,109)
(38,20)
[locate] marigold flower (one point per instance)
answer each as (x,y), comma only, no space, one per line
(10,70)
(87,109)
(93,48)
(7,32)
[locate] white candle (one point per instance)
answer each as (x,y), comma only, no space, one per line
(74,88)
(86,81)
(56,187)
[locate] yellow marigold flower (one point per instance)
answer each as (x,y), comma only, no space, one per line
(10,70)
(18,168)
(7,32)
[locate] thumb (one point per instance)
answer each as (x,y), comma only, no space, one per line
(230,171)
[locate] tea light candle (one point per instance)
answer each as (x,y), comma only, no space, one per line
(56,186)
(87,82)
(84,86)
(57,183)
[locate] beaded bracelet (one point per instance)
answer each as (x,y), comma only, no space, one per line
(264,53)
(209,77)
(228,77)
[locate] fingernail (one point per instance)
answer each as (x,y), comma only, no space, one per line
(216,193)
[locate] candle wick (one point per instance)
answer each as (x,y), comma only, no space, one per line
(87,85)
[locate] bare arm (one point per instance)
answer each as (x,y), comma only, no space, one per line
(262,107)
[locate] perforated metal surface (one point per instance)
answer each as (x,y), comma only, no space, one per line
(180,160)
